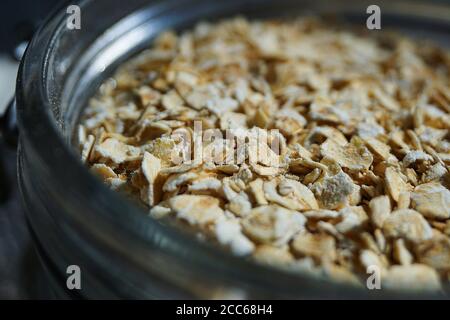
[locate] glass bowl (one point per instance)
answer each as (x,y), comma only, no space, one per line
(76,220)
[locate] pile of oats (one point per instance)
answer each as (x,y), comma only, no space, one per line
(362,174)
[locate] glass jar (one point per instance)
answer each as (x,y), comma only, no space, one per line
(76,220)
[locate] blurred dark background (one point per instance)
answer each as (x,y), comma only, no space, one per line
(20,273)
(18,18)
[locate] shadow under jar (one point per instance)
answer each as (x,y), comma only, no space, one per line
(76,220)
